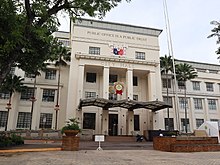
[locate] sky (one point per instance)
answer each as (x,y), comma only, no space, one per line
(189,25)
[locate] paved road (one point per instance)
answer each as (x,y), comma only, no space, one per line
(110,157)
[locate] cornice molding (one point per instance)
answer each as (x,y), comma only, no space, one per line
(113,58)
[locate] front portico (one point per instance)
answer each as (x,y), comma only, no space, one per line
(109,120)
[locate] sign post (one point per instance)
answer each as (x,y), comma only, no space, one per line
(99,138)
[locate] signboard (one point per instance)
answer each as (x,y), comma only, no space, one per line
(99,138)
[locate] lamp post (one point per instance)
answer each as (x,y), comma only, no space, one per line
(57,108)
(8,107)
(32,99)
(185,109)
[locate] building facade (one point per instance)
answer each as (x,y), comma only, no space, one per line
(115,62)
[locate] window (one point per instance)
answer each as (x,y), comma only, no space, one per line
(89,121)
(209,87)
(12,71)
(183,128)
(170,124)
(200,70)
(27,93)
(46,120)
(183,102)
(135,81)
(4,95)
(167,100)
(212,104)
(90,94)
(48,95)
(181,84)
(28,75)
(50,74)
(164,82)
(135,97)
(197,103)
(140,55)
(112,96)
(199,122)
(24,119)
(94,50)
(213,71)
(113,78)
(3,118)
(196,85)
(65,42)
(136,122)
(91,77)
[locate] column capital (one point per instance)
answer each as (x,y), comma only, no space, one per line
(129,69)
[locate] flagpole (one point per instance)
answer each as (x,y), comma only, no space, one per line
(170,50)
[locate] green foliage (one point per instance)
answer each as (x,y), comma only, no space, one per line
(12,84)
(72,124)
(10,140)
(185,72)
(216,33)
(166,64)
(26,29)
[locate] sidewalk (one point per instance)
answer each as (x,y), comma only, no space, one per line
(33,146)
(114,153)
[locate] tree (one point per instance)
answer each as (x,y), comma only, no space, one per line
(11,84)
(185,72)
(216,33)
(64,56)
(26,28)
(166,66)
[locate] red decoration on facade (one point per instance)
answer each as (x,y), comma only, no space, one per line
(119,87)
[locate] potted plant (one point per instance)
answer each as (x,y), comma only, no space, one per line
(71,128)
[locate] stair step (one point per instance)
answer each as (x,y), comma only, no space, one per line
(120,138)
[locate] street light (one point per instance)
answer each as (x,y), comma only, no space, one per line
(32,99)
(8,107)
(57,108)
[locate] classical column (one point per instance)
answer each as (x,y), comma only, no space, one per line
(80,82)
(130,122)
(75,90)
(105,122)
(129,81)
(206,110)
(152,86)
(154,93)
(105,82)
(105,93)
(191,116)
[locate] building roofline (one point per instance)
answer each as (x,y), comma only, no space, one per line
(195,62)
(141,31)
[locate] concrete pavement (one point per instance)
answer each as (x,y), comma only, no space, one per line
(110,157)
(112,154)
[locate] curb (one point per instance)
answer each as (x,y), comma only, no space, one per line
(30,150)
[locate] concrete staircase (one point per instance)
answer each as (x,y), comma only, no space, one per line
(120,138)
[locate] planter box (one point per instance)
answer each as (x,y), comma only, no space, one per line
(70,143)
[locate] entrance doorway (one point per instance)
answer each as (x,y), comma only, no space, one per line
(113,125)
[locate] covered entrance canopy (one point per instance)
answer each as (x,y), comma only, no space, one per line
(126,103)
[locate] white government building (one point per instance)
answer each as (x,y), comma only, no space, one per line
(109,58)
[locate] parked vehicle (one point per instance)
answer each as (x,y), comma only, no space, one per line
(139,138)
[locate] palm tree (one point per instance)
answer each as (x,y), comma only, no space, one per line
(12,84)
(166,66)
(216,33)
(35,72)
(185,72)
(63,55)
